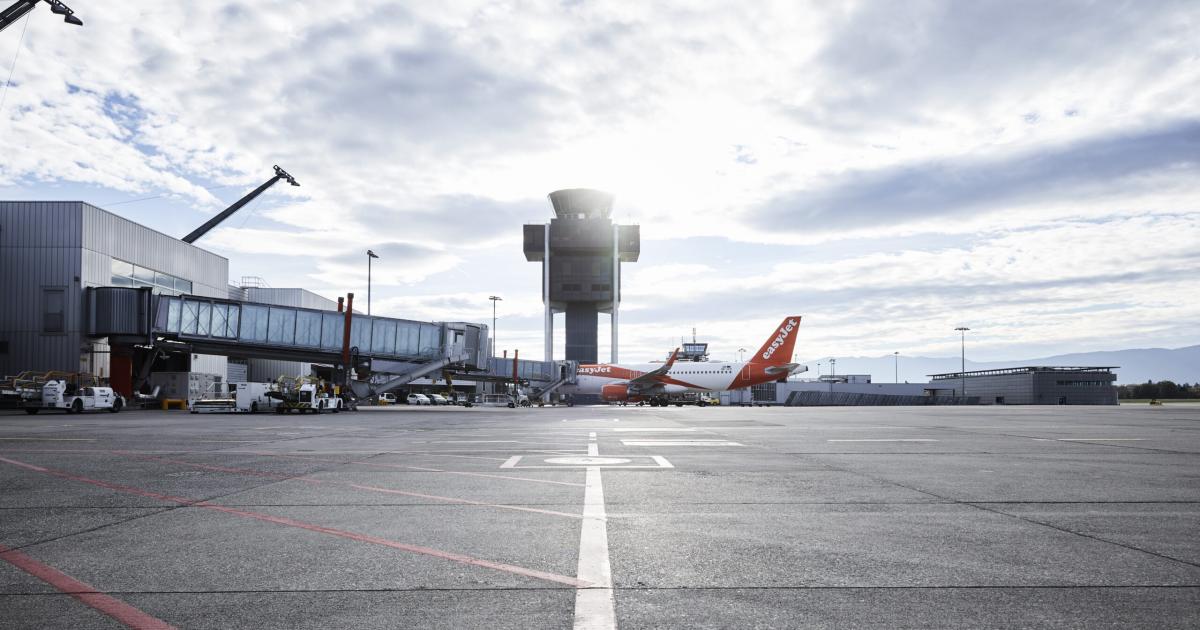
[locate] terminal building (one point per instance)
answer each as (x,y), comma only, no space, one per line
(1031,385)
(52,251)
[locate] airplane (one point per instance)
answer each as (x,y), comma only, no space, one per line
(654,382)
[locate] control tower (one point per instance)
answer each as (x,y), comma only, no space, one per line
(581,252)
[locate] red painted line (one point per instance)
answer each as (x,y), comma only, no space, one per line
(436,553)
(85,593)
(403,467)
(261,473)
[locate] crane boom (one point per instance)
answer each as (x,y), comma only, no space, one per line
(237,205)
(21,7)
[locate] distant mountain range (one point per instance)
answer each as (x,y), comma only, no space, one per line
(1138,365)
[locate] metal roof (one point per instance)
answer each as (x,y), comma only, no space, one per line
(1024,370)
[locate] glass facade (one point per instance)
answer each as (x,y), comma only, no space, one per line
(126,274)
(299,327)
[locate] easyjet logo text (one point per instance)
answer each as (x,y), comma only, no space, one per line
(784,331)
(595,369)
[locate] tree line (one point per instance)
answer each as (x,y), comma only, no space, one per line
(1161,389)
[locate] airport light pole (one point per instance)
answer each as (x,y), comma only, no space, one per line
(832,373)
(494,299)
(962,331)
(370,255)
(21,7)
(896,355)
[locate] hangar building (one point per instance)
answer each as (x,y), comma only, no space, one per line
(1032,385)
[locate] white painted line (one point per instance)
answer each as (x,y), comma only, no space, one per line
(234,441)
(651,430)
(680,443)
(35,439)
(512,461)
(1100,439)
(593,448)
(594,605)
(591,419)
(587,461)
(662,462)
(887,440)
(477,442)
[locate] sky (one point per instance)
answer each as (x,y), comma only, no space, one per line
(887,170)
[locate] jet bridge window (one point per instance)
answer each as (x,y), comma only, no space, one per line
(332,325)
(408,342)
(281,327)
(220,320)
(254,323)
(189,318)
(308,329)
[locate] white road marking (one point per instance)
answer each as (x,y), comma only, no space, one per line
(477,442)
(887,440)
(592,420)
(651,430)
(594,606)
(662,461)
(587,461)
(680,443)
(36,439)
(234,441)
(1100,439)
(512,461)
(593,447)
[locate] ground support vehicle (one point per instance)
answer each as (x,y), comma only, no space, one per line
(253,398)
(304,394)
(218,399)
(68,397)
(386,399)
(503,400)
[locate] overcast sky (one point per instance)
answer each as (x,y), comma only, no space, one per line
(888,170)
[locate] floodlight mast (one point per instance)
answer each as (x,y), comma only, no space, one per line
(18,9)
(225,214)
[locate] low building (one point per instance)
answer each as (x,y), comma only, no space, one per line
(52,251)
(1032,385)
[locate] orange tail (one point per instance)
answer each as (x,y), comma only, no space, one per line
(778,348)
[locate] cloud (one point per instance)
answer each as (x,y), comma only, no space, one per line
(1028,166)
(1121,166)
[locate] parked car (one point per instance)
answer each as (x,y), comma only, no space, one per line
(387,399)
(418,399)
(438,399)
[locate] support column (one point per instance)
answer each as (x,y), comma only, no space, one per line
(616,291)
(549,325)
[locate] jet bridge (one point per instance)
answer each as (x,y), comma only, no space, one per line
(403,348)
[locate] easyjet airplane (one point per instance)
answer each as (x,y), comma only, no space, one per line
(653,382)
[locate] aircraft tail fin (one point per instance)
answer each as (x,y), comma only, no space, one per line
(779,346)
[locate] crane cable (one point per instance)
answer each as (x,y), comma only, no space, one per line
(11,68)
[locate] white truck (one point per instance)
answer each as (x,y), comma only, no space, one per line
(253,398)
(72,399)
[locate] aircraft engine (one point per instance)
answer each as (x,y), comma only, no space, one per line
(616,392)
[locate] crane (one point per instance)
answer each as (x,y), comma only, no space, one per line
(225,214)
(17,9)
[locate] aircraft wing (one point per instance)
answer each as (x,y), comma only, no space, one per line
(653,378)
